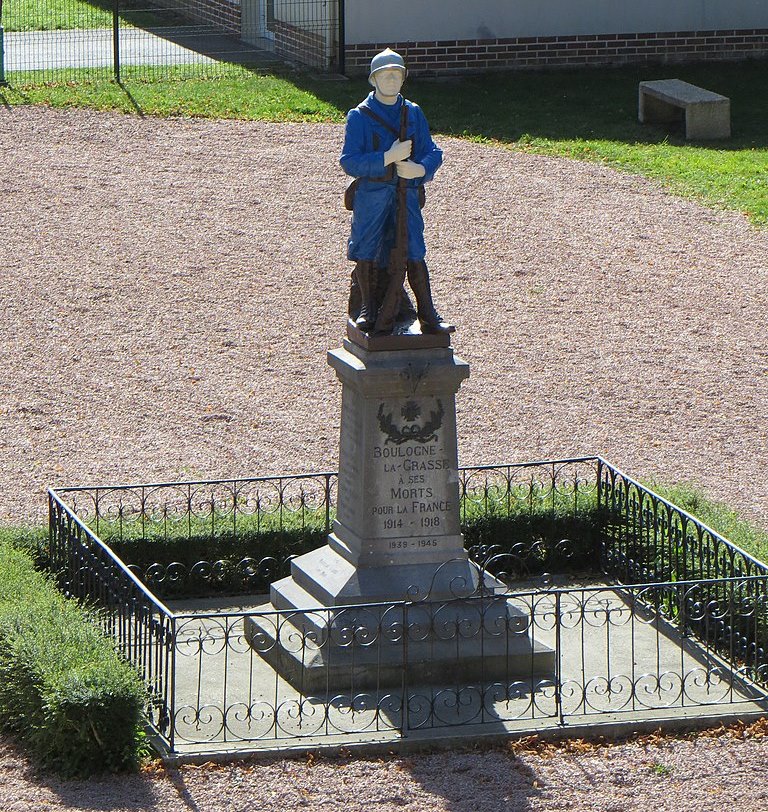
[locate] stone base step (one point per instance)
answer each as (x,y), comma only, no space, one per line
(369,647)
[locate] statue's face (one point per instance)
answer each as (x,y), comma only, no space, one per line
(388,81)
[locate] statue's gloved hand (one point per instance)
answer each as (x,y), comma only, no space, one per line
(410,169)
(399,151)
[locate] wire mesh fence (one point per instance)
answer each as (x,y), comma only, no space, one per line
(71,40)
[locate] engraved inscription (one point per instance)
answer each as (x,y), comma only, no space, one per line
(415,493)
(412,544)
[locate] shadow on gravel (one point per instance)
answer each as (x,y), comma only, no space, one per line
(98,794)
(479,781)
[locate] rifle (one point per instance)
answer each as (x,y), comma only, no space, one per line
(398,256)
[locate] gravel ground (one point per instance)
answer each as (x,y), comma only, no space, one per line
(170,289)
(690,775)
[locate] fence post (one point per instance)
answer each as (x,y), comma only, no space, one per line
(172,703)
(3,83)
(328,503)
(52,527)
(558,663)
(342,38)
(405,721)
(599,551)
(116,39)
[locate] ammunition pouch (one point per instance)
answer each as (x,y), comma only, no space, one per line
(349,194)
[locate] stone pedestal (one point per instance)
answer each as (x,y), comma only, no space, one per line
(396,538)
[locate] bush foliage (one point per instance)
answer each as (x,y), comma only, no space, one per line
(554,534)
(64,692)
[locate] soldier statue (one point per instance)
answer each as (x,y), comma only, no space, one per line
(389,152)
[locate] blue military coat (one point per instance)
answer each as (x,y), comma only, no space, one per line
(365,142)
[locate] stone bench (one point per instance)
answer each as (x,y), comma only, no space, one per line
(707,114)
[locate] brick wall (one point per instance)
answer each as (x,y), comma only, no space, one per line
(453,56)
(223,14)
(301,45)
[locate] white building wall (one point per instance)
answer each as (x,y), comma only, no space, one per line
(412,20)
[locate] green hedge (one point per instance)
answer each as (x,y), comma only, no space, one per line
(64,692)
(557,534)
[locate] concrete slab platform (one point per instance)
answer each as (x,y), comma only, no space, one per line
(94,48)
(619,665)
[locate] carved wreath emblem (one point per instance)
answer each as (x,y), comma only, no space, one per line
(410,412)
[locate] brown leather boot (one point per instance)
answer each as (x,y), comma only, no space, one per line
(353,303)
(431,320)
(365,273)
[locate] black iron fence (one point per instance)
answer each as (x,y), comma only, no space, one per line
(543,652)
(648,539)
(612,651)
(237,536)
(70,40)
(141,625)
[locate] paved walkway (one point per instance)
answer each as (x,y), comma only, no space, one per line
(94,48)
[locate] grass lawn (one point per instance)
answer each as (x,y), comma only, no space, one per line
(58,15)
(717,515)
(587,114)
(54,15)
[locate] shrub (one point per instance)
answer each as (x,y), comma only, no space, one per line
(717,515)
(64,692)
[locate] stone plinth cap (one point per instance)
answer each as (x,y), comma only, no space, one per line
(400,373)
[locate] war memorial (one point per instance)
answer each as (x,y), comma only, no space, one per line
(397,531)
